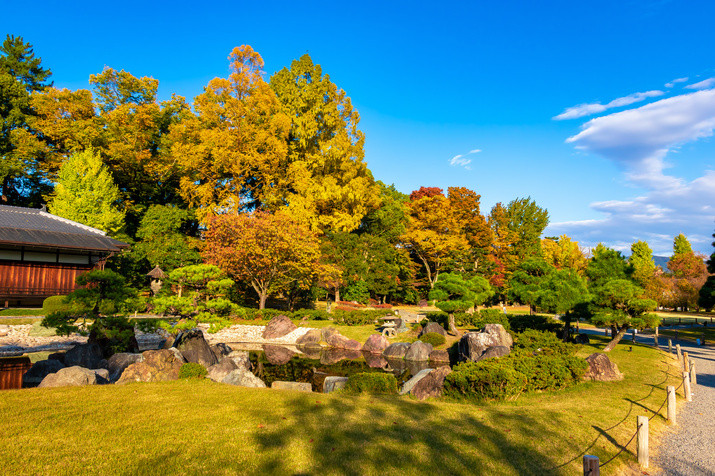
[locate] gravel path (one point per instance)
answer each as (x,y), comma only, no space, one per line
(688,448)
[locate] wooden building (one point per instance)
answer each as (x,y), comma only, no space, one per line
(41,254)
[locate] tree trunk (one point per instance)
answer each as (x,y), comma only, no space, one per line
(611,345)
(337,295)
(262,301)
(531,310)
(452,325)
(567,328)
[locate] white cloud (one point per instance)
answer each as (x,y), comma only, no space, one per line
(594,108)
(704,84)
(638,140)
(462,160)
(676,81)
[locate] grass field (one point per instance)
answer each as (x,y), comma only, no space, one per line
(190,427)
(17,312)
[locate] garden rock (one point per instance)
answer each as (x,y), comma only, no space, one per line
(277,354)
(439,355)
(582,339)
(339,341)
(332,383)
(155,366)
(241,359)
(297,386)
(88,356)
(432,384)
(194,348)
(220,350)
(473,344)
(375,344)
(279,326)
(74,376)
(102,376)
(219,371)
(243,378)
(396,350)
(39,371)
(601,369)
(413,381)
(59,356)
(494,352)
(118,362)
(310,338)
(433,327)
(418,351)
(326,332)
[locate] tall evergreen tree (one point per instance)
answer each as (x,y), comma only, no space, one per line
(707,292)
(21,74)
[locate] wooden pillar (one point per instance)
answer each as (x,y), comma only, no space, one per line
(686,362)
(686,387)
(670,346)
(671,405)
(693,376)
(655,340)
(678,351)
(590,466)
(643,441)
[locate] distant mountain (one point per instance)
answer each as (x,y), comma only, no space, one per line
(661,261)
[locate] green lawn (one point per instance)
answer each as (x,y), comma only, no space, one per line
(16,312)
(190,427)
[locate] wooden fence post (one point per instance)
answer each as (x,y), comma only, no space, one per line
(590,466)
(670,346)
(686,366)
(686,387)
(655,340)
(693,375)
(671,404)
(678,351)
(643,441)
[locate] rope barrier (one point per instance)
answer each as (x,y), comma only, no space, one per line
(622,448)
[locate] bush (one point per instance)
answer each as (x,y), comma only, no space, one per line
(355,317)
(371,382)
(433,338)
(548,371)
(312,314)
(476,320)
(543,341)
(57,304)
(522,322)
(192,370)
(492,379)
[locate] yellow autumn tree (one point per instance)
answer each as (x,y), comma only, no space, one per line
(233,151)
(562,253)
(330,187)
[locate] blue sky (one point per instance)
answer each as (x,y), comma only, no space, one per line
(571,103)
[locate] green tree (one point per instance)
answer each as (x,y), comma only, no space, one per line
(86,193)
(21,74)
(100,307)
(454,293)
(606,264)
(681,245)
(641,260)
(330,187)
(525,285)
(528,221)
(706,297)
(389,220)
(166,238)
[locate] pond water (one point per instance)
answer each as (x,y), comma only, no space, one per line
(291,364)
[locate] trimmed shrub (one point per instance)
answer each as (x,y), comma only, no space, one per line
(476,320)
(522,322)
(371,382)
(492,379)
(57,304)
(192,370)
(548,371)
(356,318)
(433,338)
(543,341)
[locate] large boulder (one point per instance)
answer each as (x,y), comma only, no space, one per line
(88,356)
(326,332)
(439,355)
(297,386)
(277,354)
(396,350)
(432,384)
(74,376)
(277,327)
(601,369)
(118,362)
(155,366)
(310,338)
(433,327)
(473,344)
(194,348)
(332,383)
(240,358)
(339,341)
(418,351)
(375,344)
(219,371)
(407,387)
(39,371)
(243,378)
(494,352)
(220,350)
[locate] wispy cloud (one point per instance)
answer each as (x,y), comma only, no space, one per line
(638,140)
(462,160)
(676,81)
(704,84)
(583,110)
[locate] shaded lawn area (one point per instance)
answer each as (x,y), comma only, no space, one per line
(16,312)
(196,426)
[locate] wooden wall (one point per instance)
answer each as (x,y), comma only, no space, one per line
(31,282)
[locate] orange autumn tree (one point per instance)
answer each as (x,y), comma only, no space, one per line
(268,251)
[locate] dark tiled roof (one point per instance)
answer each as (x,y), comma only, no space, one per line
(29,226)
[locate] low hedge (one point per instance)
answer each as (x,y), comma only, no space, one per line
(371,382)
(476,320)
(522,322)
(433,338)
(492,379)
(192,370)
